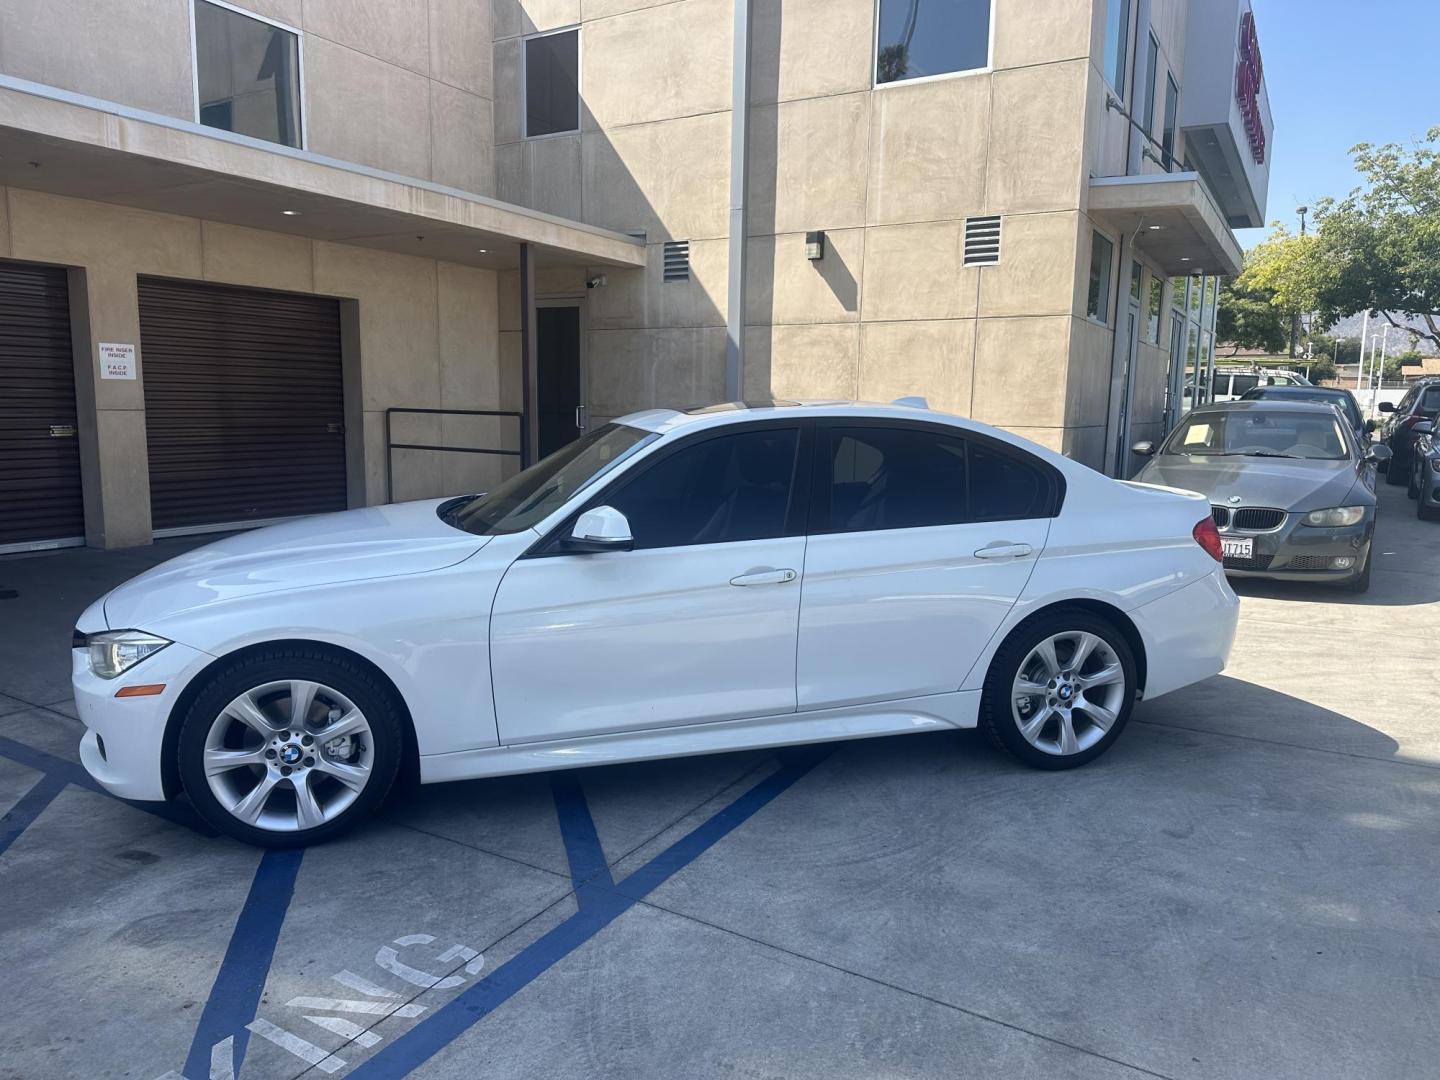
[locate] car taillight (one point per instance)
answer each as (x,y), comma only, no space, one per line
(1208,537)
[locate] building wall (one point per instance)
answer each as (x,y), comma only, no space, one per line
(890,174)
(399,85)
(418,333)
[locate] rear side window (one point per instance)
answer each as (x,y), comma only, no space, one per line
(722,490)
(1243,383)
(877,478)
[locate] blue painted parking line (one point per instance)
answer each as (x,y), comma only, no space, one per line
(582,844)
(30,805)
(608,902)
(74,773)
(235,995)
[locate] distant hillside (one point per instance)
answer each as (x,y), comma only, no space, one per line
(1350,327)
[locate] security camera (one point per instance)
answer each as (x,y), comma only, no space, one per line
(596,282)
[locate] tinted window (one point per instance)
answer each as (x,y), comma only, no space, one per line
(1241,383)
(248,75)
(1098,300)
(735,487)
(1431,400)
(908,478)
(931,37)
(552,83)
(1117,43)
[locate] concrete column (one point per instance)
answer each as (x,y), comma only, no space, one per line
(529,360)
(114,458)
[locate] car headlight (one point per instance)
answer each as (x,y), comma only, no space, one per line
(114,652)
(1335,516)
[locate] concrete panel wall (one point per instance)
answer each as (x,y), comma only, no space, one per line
(399,85)
(427,334)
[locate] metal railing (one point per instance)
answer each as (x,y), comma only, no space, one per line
(391,446)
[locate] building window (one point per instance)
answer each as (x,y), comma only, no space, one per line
(1157,297)
(247,74)
(1152,81)
(1101,255)
(1137,276)
(552,83)
(1117,43)
(916,39)
(1172,108)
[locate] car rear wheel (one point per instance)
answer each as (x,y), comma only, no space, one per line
(1396,473)
(290,747)
(1060,689)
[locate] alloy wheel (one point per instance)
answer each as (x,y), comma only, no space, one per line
(288,756)
(1068,692)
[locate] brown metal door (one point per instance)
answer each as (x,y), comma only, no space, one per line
(244,407)
(40,496)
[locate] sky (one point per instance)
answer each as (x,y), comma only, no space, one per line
(1341,72)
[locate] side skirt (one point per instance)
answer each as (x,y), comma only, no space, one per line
(935,712)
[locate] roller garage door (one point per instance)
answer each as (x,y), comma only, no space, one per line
(244,405)
(40,498)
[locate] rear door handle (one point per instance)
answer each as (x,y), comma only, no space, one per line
(1003,550)
(764,577)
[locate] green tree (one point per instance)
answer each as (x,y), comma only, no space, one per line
(1344,350)
(1321,368)
(1379,248)
(1249,319)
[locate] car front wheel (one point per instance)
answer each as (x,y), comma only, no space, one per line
(1060,689)
(290,747)
(1396,473)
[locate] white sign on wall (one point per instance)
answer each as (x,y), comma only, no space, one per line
(117,361)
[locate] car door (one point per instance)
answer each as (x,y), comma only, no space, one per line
(922,538)
(696,624)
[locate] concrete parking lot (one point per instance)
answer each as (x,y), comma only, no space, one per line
(1246,886)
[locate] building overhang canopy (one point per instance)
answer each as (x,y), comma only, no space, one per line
(1175,222)
(67,144)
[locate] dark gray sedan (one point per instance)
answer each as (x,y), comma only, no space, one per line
(1291,488)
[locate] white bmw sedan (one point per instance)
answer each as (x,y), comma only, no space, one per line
(672,583)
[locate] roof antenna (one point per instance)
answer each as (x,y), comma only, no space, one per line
(914,402)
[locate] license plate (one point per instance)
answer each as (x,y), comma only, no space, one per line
(1237,547)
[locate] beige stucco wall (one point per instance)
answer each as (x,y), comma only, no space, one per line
(889,173)
(426,335)
(399,85)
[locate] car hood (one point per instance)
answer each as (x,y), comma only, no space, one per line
(1284,483)
(379,541)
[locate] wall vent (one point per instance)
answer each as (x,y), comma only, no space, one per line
(982,241)
(677,260)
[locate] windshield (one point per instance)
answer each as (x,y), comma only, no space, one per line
(1344,401)
(529,497)
(1249,433)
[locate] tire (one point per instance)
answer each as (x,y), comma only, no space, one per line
(1002,710)
(315,786)
(1412,488)
(1395,473)
(1361,582)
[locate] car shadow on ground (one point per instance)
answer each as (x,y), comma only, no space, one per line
(1397,588)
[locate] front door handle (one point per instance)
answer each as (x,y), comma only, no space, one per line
(1002,549)
(764,577)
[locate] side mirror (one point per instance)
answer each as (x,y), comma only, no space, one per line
(1370,426)
(602,529)
(1387,406)
(1378,453)
(1144,449)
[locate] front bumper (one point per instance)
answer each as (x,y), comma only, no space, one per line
(1298,552)
(122,747)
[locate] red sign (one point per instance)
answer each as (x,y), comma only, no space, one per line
(1249,73)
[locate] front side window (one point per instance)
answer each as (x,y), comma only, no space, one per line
(1314,435)
(1117,43)
(529,497)
(1101,256)
(719,491)
(552,83)
(920,38)
(247,74)
(908,478)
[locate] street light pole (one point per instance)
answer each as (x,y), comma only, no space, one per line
(1295,317)
(1360,365)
